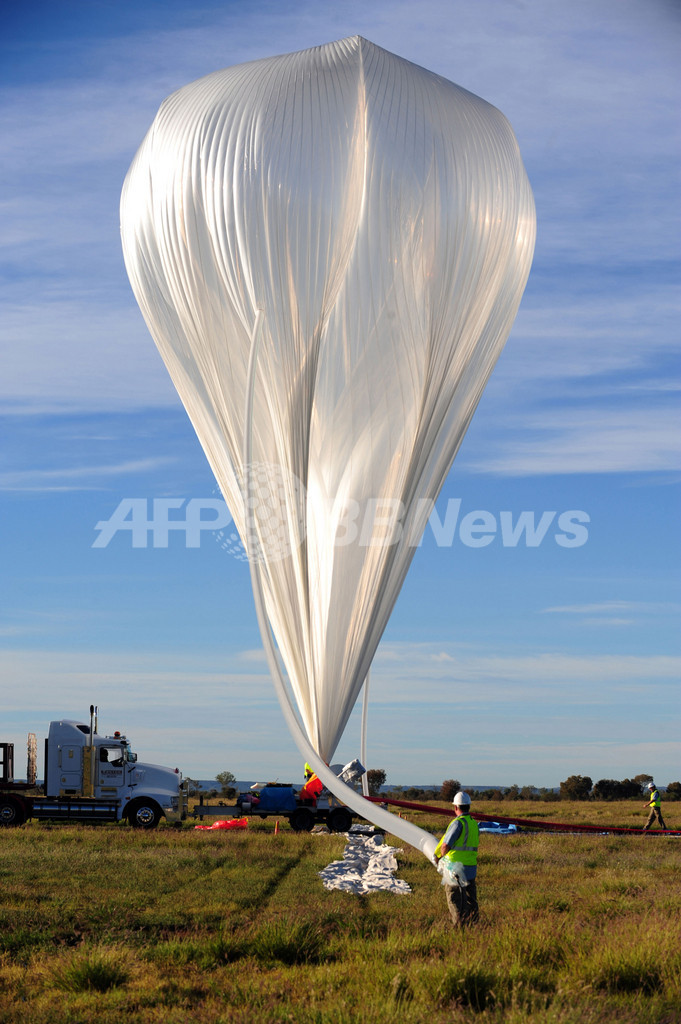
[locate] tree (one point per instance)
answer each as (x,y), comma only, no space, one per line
(489,794)
(643,780)
(376,778)
(674,791)
(449,789)
(607,789)
(226,779)
(575,787)
(612,789)
(193,787)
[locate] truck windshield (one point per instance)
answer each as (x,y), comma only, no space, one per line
(117,755)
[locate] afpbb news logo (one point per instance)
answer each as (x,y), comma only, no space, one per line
(145,522)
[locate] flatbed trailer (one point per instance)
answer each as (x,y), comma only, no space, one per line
(17,807)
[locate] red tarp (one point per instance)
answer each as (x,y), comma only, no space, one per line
(232,823)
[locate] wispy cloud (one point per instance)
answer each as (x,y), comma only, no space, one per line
(460,663)
(76,478)
(208,710)
(608,607)
(257,657)
(615,330)
(14,630)
(595,708)
(588,440)
(76,340)
(68,354)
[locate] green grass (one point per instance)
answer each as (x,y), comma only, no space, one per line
(96,971)
(103,923)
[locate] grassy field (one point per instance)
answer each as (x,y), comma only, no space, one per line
(105,924)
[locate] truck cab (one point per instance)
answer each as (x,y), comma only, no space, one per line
(89,777)
(81,764)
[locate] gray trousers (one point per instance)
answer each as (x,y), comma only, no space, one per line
(462,902)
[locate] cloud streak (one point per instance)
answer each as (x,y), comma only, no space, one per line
(418,692)
(607,607)
(600,440)
(76,478)
(67,144)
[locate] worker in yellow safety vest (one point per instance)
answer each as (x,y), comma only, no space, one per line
(654,805)
(458,853)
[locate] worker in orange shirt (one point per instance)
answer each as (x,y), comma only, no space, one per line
(313,785)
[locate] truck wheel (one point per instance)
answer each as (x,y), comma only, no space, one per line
(340,820)
(144,814)
(11,812)
(302,820)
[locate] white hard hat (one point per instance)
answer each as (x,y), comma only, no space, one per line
(651,785)
(461,799)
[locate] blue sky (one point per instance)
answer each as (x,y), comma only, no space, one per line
(502,663)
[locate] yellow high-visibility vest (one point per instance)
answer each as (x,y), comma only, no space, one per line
(463,850)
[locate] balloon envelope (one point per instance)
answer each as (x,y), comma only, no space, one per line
(380,219)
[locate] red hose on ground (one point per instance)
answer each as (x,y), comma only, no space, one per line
(553,826)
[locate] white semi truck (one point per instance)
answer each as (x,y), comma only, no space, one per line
(89,778)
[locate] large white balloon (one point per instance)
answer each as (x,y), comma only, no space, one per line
(358,232)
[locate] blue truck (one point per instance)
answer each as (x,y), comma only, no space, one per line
(281,800)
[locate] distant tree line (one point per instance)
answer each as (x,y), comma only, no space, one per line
(518,793)
(580,787)
(450,787)
(575,787)
(415,793)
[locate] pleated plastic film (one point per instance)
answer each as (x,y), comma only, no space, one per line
(381,219)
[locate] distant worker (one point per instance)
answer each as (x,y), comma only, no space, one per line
(458,850)
(313,785)
(655,808)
